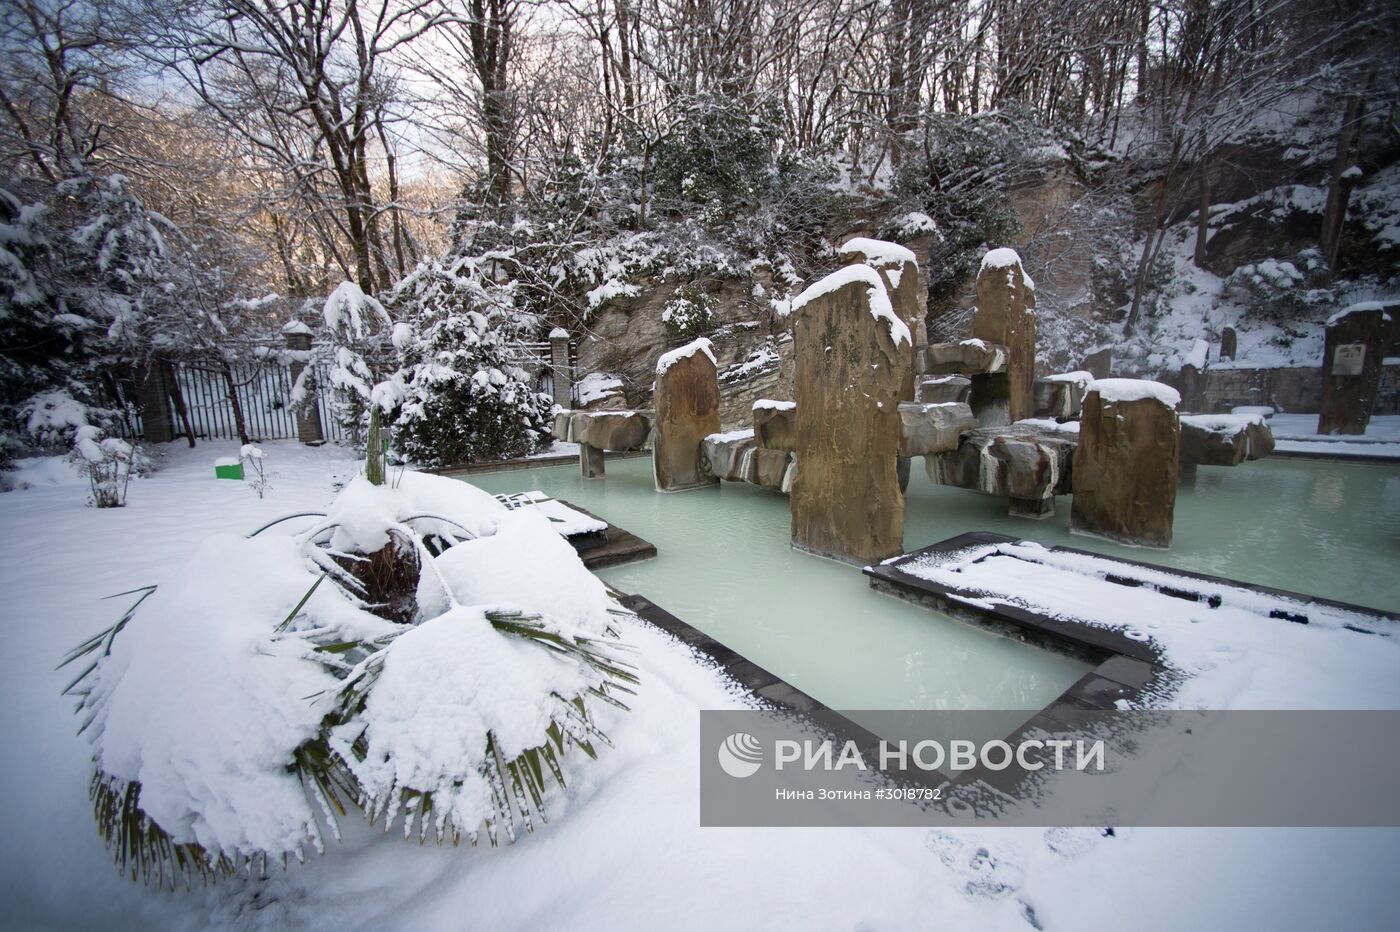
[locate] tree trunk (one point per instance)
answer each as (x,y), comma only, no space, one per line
(374,449)
(1338,187)
(232,390)
(1202,217)
(172,385)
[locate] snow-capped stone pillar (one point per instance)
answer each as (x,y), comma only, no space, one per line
(686,395)
(1126,464)
(308,415)
(1005,314)
(560,367)
(853,357)
(1351,367)
(153,401)
(900,269)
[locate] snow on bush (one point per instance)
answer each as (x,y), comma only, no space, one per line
(52,418)
(108,463)
(438,681)
(688,313)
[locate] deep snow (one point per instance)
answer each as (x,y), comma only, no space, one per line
(623,849)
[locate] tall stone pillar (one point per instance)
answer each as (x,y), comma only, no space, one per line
(1351,368)
(899,267)
(560,366)
(1005,314)
(853,358)
(686,395)
(1126,464)
(308,415)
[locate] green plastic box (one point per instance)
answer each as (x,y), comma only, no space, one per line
(228,471)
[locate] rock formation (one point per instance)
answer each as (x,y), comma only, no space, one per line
(1027,464)
(687,411)
(854,357)
(940,389)
(1005,314)
(1351,367)
(1061,395)
(1126,465)
(596,431)
(736,457)
(900,269)
(775,424)
(1224,439)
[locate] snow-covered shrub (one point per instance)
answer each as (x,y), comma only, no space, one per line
(255,469)
(83,266)
(717,155)
(108,463)
(359,328)
(688,313)
(52,418)
(458,397)
(458,653)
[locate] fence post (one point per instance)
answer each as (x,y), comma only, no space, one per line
(154,404)
(563,371)
(308,414)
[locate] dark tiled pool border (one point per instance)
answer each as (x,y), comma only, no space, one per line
(1124,669)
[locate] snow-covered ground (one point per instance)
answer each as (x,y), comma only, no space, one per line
(1297,433)
(623,849)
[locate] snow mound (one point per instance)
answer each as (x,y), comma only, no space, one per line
(363,512)
(880,307)
(526,565)
(768,404)
(1135,390)
(879,253)
(700,345)
(202,707)
(1006,258)
(1362,307)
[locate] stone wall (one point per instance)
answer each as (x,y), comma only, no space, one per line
(1294,390)
(626,336)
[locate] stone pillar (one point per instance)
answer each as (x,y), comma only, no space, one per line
(852,356)
(1229,340)
(561,368)
(308,416)
(1126,465)
(1099,363)
(1190,388)
(1005,314)
(686,395)
(590,461)
(1351,368)
(900,271)
(153,401)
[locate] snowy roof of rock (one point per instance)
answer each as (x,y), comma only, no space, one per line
(879,252)
(558,333)
(731,436)
(1135,390)
(1222,423)
(768,404)
(1361,307)
(1006,258)
(296,326)
(699,345)
(880,306)
(1078,375)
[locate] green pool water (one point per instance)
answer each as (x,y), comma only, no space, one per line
(724,565)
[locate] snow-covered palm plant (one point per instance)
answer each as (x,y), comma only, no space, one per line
(458,652)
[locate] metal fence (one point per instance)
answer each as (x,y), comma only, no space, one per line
(264,395)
